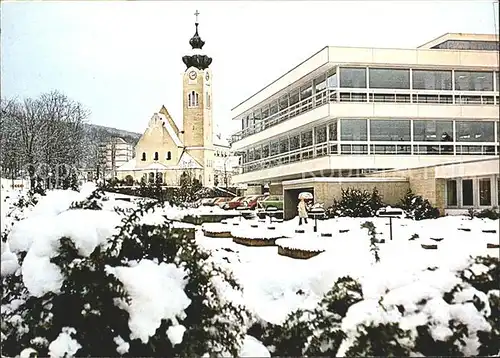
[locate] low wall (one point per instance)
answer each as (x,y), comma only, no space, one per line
(423,182)
(325,191)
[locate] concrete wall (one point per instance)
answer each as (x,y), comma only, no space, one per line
(422,182)
(276,189)
(326,191)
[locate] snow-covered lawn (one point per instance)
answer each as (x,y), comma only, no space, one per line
(273,286)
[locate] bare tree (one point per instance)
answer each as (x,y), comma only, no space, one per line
(47,130)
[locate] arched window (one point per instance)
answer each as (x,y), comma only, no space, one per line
(192,99)
(143,156)
(207,98)
(156,155)
(151,177)
(200,179)
(159,178)
(169,155)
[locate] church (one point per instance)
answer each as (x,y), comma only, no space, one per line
(169,155)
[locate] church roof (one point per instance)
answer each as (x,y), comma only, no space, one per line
(170,130)
(170,120)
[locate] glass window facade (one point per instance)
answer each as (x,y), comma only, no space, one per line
(485,192)
(332,78)
(451,193)
(320,134)
(390,78)
(432,80)
(332,132)
(306,139)
(353,129)
(389,130)
(352,77)
(432,131)
(469,131)
(473,81)
(467,192)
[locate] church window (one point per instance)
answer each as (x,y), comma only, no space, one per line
(151,177)
(169,155)
(143,156)
(208,100)
(193,99)
(156,155)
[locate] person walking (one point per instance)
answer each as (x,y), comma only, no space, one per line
(302,208)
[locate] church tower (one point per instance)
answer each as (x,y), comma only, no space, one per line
(197,107)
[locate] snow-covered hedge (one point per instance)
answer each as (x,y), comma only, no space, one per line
(314,332)
(356,203)
(417,207)
(436,313)
(146,290)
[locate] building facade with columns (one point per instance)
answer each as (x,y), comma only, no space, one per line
(350,112)
(167,154)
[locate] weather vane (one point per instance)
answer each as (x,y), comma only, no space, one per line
(196,13)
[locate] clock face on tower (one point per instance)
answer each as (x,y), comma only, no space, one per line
(192,75)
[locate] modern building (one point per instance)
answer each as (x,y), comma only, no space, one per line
(168,154)
(225,165)
(112,154)
(347,112)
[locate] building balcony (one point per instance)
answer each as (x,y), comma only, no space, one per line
(350,102)
(354,158)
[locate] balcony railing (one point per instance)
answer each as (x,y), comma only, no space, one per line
(305,105)
(363,95)
(310,152)
(365,148)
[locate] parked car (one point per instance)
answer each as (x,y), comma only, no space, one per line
(250,202)
(221,201)
(233,203)
(271,200)
(208,201)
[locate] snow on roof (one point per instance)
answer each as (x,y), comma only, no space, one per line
(186,161)
(170,130)
(130,165)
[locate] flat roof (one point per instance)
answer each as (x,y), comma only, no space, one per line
(320,62)
(458,36)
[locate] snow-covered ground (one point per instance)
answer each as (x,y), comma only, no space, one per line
(273,285)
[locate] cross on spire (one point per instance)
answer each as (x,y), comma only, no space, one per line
(196,13)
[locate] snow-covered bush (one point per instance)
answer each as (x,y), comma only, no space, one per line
(149,290)
(440,314)
(315,332)
(356,203)
(417,207)
(487,213)
(92,202)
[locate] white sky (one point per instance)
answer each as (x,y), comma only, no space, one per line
(123,59)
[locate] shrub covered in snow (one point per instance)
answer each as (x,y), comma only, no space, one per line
(439,314)
(356,203)
(417,207)
(148,290)
(315,332)
(487,213)
(435,313)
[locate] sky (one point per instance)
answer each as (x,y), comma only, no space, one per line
(123,60)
